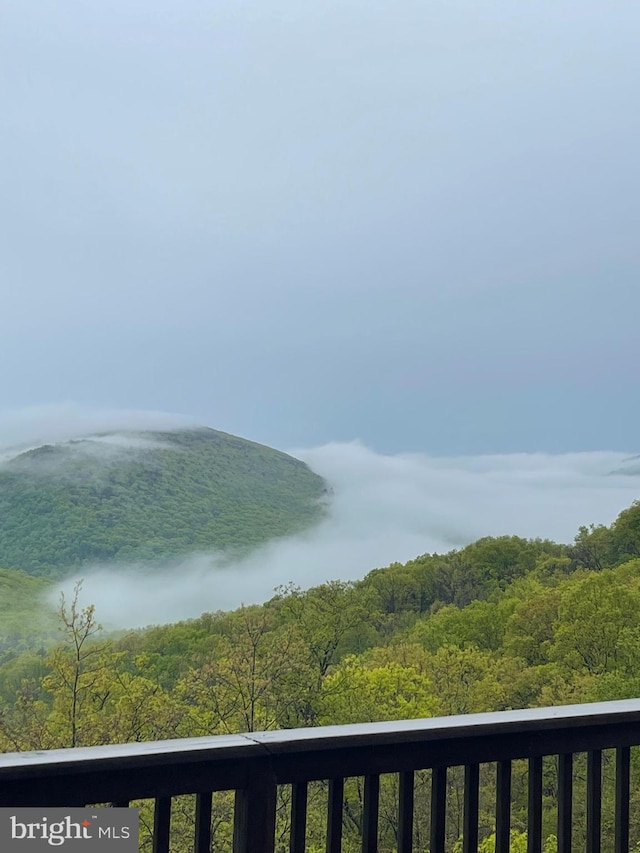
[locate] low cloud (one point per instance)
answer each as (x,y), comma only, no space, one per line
(384,509)
(24,429)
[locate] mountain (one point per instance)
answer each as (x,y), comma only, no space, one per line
(137,496)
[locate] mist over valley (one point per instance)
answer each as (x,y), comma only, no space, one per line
(147,490)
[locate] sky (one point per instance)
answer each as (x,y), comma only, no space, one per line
(410,224)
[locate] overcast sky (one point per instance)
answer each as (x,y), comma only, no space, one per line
(410,223)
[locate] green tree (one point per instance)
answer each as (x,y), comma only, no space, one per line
(530,630)
(77,668)
(87,696)
(258,680)
(355,692)
(593,548)
(593,612)
(328,619)
(625,532)
(481,624)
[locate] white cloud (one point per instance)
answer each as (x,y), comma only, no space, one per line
(384,509)
(23,429)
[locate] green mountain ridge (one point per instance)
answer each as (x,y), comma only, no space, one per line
(148,496)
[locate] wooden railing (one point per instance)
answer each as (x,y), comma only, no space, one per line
(254,765)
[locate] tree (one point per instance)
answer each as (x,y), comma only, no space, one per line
(481,624)
(325,617)
(465,681)
(88,696)
(593,612)
(593,548)
(530,630)
(501,558)
(356,692)
(77,667)
(256,681)
(626,532)
(458,581)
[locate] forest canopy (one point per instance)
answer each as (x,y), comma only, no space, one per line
(147,497)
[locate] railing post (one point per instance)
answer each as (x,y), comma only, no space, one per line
(202,842)
(405,811)
(534,806)
(334,816)
(471,799)
(162,825)
(299,795)
(594,801)
(503,807)
(254,825)
(370,814)
(438,809)
(565,802)
(623,766)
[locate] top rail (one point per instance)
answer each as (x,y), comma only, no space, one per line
(526,733)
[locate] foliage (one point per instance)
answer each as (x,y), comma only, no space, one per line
(256,681)
(85,696)
(357,692)
(166,494)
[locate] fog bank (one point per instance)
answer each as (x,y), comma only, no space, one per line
(385,508)
(27,428)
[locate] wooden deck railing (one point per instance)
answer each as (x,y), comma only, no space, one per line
(254,764)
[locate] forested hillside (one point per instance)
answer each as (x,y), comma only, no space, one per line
(148,496)
(503,623)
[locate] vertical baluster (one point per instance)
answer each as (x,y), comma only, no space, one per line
(438,809)
(405,812)
(334,816)
(503,806)
(594,801)
(254,826)
(565,801)
(534,817)
(470,830)
(203,823)
(161,825)
(370,814)
(298,817)
(623,764)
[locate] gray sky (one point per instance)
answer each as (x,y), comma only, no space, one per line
(411,223)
